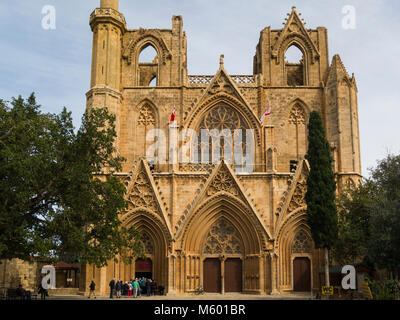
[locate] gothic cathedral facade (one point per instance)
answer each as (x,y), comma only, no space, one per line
(208,224)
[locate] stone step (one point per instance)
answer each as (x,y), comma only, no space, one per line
(63,291)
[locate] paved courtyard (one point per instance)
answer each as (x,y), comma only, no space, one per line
(206,296)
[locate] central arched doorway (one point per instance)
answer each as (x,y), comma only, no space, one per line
(221,229)
(223,240)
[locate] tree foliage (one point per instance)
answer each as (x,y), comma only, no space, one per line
(384,244)
(355,206)
(54,199)
(320,197)
(369,228)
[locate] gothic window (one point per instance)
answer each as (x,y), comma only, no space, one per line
(147,243)
(297,138)
(222,121)
(294,66)
(223,239)
(146,121)
(301,243)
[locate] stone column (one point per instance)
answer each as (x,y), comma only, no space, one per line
(171,274)
(274,273)
(222,258)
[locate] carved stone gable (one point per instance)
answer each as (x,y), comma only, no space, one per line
(223,181)
(141,194)
(299,194)
(222,84)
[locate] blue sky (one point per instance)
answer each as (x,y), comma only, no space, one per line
(55,64)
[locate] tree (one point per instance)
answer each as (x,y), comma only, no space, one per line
(355,207)
(384,227)
(369,224)
(320,197)
(54,198)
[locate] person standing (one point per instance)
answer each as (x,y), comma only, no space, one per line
(92,287)
(42,291)
(112,287)
(118,288)
(135,288)
(148,287)
(130,289)
(126,288)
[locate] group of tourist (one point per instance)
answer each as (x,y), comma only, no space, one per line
(133,288)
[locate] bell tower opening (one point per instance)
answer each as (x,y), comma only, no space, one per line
(148,66)
(294,66)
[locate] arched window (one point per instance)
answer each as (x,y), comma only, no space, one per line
(294,66)
(297,136)
(148,66)
(146,121)
(222,134)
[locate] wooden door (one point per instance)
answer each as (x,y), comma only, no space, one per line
(301,275)
(212,275)
(233,275)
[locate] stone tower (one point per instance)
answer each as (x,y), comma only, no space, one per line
(209,223)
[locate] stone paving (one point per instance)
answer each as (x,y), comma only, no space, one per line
(206,296)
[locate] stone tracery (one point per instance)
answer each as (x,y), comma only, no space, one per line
(147,243)
(146,116)
(297,115)
(223,239)
(302,243)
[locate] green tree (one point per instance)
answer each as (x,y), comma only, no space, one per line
(384,243)
(320,197)
(355,207)
(54,199)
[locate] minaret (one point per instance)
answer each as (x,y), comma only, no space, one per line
(113,4)
(108,26)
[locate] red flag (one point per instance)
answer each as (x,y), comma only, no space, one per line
(266,113)
(171,121)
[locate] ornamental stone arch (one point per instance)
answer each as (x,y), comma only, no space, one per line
(155,235)
(147,38)
(249,118)
(303,43)
(138,214)
(247,237)
(144,73)
(222,206)
(294,240)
